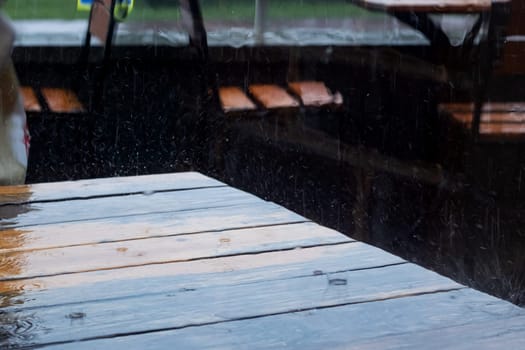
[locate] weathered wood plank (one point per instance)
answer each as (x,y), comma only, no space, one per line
(505,332)
(164,278)
(104,187)
(73,259)
(143,226)
(221,303)
(13,216)
(349,326)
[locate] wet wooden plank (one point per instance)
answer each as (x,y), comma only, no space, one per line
(31,103)
(272,96)
(28,264)
(222,303)
(314,93)
(349,326)
(455,6)
(503,332)
(62,100)
(65,190)
(233,99)
(118,229)
(17,216)
(164,278)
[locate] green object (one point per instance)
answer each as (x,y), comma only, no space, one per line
(122,7)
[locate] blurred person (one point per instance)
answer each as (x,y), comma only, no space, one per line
(14,135)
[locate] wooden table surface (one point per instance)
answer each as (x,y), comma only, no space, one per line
(184,261)
(459,6)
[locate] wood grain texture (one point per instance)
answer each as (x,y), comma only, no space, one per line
(62,100)
(119,229)
(210,266)
(162,278)
(31,103)
(233,99)
(349,326)
(460,6)
(16,216)
(66,190)
(272,96)
(164,249)
(223,303)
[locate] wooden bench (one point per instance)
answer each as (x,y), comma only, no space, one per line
(499,121)
(272,97)
(55,100)
(59,99)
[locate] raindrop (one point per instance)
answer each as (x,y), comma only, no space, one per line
(338,282)
(76,315)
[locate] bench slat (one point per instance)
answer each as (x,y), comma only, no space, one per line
(314,93)
(233,99)
(272,96)
(62,100)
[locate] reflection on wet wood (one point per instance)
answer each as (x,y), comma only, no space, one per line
(119,229)
(190,264)
(66,190)
(165,249)
(62,100)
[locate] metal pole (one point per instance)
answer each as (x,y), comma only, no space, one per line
(260,20)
